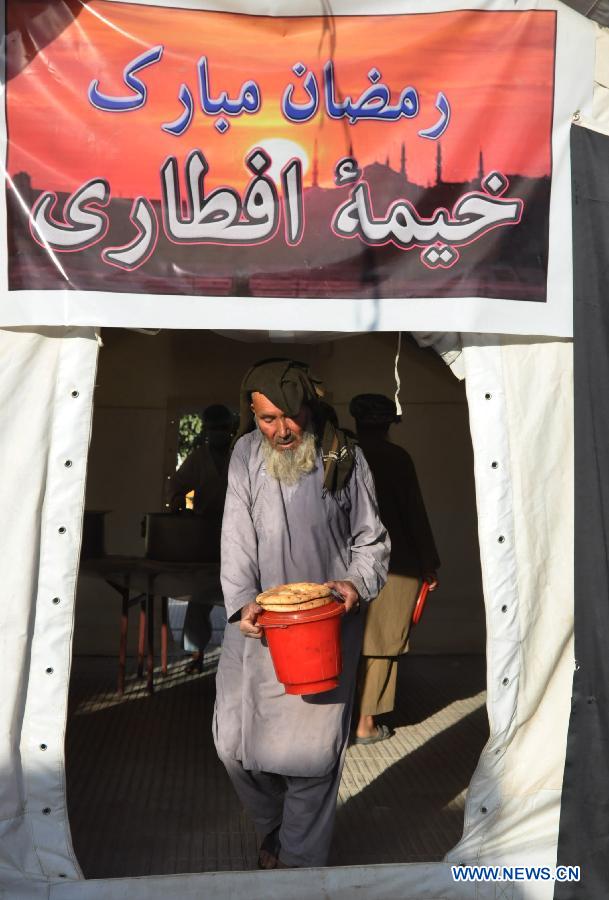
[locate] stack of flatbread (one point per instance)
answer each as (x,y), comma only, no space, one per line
(295,597)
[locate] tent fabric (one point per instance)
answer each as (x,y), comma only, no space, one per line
(600,94)
(418,881)
(519,395)
(46,388)
(584,824)
(514,798)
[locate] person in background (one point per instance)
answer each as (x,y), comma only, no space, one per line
(204,471)
(414,558)
(300,507)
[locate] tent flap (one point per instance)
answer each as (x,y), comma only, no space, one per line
(46,397)
(520,401)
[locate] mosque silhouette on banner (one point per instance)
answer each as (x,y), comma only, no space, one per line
(504,263)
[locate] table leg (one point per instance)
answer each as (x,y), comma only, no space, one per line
(122,650)
(164,635)
(141,638)
(150,656)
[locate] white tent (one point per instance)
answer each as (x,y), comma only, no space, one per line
(519,392)
(512,386)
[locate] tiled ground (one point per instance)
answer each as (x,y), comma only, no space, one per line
(147,794)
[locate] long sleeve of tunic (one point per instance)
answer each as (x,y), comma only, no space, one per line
(239,571)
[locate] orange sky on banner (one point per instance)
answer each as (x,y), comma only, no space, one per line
(495,68)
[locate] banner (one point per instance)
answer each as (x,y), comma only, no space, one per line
(402,166)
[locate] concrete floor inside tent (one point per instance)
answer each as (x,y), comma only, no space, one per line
(146,792)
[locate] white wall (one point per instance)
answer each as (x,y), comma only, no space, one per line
(143,379)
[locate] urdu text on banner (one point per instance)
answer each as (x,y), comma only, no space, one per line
(389,166)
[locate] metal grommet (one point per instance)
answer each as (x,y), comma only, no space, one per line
(504,608)
(505,682)
(61,875)
(46,811)
(68,463)
(500,539)
(483,809)
(494,465)
(55,601)
(62,529)
(43,747)
(74,394)
(49,671)
(487,396)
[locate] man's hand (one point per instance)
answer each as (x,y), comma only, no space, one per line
(432,580)
(249,619)
(347,593)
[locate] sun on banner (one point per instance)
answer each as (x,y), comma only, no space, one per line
(161,151)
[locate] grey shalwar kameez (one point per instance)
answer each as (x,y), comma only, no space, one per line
(274,534)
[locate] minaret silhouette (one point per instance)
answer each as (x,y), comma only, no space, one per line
(403,161)
(387,161)
(480,165)
(315,168)
(439,163)
(22,183)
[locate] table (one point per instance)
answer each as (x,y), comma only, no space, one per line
(147,579)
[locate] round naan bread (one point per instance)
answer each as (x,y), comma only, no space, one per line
(294,594)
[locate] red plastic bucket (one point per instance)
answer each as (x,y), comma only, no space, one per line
(305,647)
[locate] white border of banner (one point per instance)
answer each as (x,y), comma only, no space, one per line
(573,94)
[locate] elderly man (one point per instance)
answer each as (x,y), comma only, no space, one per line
(300,506)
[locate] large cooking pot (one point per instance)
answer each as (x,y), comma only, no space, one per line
(181,537)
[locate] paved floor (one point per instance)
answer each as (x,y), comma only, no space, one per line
(147,794)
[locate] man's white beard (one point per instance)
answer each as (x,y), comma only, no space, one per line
(288,466)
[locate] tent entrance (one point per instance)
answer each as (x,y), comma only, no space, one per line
(146,792)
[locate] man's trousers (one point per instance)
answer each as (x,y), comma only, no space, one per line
(304,809)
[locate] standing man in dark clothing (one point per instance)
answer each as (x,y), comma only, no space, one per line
(204,471)
(414,558)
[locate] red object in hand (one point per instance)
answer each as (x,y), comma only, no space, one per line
(305,647)
(419,605)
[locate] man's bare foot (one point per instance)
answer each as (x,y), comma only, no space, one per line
(268,855)
(195,666)
(381,733)
(267,860)
(366,727)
